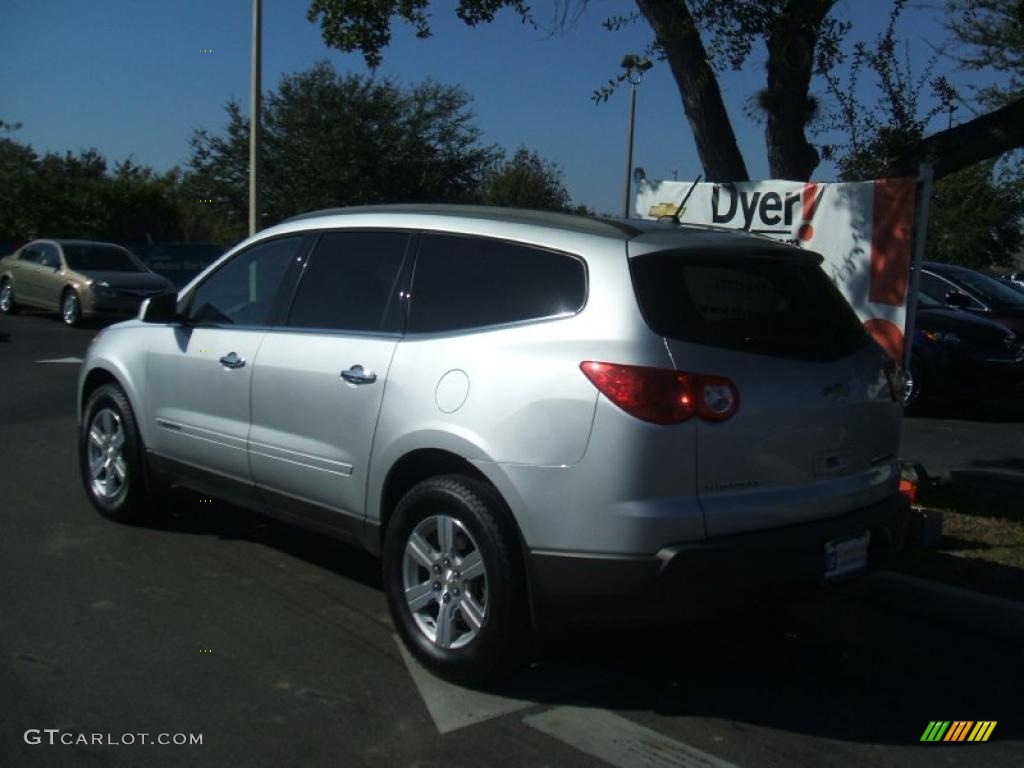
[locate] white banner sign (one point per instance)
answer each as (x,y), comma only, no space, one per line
(863,230)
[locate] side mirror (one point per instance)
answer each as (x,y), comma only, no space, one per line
(957,300)
(162,308)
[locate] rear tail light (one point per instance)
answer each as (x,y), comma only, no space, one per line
(909,490)
(661,395)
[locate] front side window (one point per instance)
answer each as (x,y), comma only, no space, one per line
(244,290)
(938,288)
(471,282)
(350,282)
(30,255)
(101,258)
(48,256)
(988,288)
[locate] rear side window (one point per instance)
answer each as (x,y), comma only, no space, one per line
(765,306)
(350,281)
(471,282)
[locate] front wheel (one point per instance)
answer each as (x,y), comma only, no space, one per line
(7,305)
(454,578)
(110,456)
(913,382)
(71,308)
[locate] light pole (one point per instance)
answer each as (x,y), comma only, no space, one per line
(635,67)
(254,120)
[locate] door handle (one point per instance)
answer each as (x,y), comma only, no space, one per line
(356,375)
(232,360)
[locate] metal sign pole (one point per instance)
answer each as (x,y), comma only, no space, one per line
(254,119)
(920,235)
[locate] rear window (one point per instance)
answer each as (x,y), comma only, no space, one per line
(472,282)
(765,306)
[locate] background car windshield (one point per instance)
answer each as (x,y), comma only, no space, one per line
(988,288)
(100,258)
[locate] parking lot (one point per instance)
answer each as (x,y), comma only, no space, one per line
(276,645)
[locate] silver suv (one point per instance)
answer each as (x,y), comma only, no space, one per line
(532,418)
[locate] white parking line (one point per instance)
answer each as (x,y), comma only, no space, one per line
(619,741)
(452,707)
(75,360)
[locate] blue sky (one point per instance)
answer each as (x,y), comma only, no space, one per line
(131,78)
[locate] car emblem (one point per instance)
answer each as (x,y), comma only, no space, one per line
(838,391)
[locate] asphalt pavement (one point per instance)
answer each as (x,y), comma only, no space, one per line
(274,646)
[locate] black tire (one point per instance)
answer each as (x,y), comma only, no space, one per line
(133,501)
(10,306)
(498,641)
(912,395)
(70,316)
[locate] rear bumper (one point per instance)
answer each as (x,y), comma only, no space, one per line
(691,580)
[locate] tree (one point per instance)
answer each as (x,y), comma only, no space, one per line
(525,181)
(802,39)
(990,37)
(977,213)
(333,140)
(76,195)
(976,217)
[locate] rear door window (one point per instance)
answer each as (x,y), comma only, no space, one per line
(465,282)
(351,282)
(763,305)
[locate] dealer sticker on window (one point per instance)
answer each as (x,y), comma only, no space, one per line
(844,556)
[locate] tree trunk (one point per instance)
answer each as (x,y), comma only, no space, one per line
(702,100)
(788,107)
(952,150)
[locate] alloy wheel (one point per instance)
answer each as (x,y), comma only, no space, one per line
(6,291)
(108,471)
(69,308)
(445,581)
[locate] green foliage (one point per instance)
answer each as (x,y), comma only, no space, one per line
(525,181)
(334,140)
(365,25)
(76,195)
(990,34)
(976,216)
(878,132)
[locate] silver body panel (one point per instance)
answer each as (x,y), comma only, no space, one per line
(578,474)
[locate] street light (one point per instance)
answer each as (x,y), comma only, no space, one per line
(635,67)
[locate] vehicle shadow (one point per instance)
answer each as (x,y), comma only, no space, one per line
(1002,410)
(837,667)
(187,512)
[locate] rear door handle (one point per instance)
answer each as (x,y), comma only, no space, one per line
(357,375)
(232,360)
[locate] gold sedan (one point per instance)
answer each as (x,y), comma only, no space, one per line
(78,278)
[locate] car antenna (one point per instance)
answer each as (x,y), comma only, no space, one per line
(682,205)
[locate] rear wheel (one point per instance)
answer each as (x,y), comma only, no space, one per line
(111,456)
(913,381)
(7,305)
(454,579)
(70,307)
